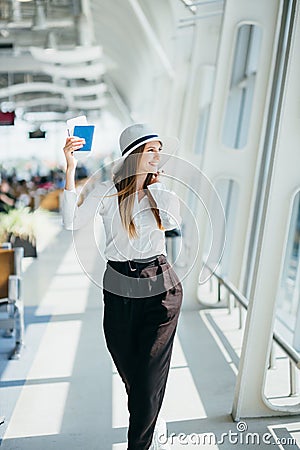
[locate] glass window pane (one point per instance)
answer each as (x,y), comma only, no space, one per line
(228,192)
(288,311)
(242,83)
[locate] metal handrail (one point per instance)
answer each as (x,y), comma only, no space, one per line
(293,355)
(232,289)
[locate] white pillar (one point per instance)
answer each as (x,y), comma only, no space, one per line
(249,399)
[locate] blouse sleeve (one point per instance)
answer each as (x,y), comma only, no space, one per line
(74,216)
(168,205)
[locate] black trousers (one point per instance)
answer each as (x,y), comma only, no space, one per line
(140,321)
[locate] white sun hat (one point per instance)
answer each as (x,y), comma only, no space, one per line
(140,133)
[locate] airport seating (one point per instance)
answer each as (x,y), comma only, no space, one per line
(11,303)
(50,201)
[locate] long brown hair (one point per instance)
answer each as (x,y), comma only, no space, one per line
(125,182)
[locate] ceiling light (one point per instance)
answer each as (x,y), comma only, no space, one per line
(24,1)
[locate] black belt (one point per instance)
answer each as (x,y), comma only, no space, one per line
(146,260)
(135,263)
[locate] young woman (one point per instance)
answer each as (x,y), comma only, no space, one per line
(142,293)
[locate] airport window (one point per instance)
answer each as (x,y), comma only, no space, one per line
(228,192)
(288,310)
(242,84)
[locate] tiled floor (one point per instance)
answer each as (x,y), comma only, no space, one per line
(65,393)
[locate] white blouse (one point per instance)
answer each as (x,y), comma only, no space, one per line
(119,246)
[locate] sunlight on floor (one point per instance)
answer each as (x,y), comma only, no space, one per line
(120,446)
(59,302)
(64,288)
(218,341)
(39,411)
(40,407)
(57,351)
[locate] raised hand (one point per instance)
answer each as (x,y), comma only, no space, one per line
(72,144)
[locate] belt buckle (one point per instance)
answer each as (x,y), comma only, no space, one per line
(132,270)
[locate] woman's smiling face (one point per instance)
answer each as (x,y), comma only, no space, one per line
(150,157)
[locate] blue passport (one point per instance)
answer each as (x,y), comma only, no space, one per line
(86,132)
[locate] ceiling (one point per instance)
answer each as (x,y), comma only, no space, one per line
(73,56)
